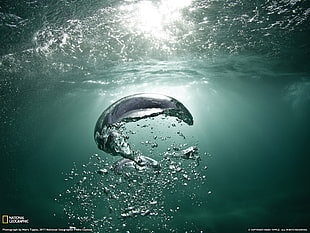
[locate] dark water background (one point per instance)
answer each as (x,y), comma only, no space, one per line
(241,67)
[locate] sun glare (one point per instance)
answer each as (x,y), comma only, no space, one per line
(149,17)
(154,18)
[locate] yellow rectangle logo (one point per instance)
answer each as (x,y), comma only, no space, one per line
(5,219)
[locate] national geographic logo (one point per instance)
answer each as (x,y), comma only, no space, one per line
(14,219)
(5,219)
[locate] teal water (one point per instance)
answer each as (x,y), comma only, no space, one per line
(240,67)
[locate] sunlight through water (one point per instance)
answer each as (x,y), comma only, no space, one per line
(156,19)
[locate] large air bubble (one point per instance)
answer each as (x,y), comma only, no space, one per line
(108,130)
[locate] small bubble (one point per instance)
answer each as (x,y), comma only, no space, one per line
(186,177)
(102,171)
(154,145)
(83,180)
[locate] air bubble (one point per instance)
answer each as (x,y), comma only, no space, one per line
(137,181)
(102,171)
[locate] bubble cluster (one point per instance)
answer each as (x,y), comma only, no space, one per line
(117,194)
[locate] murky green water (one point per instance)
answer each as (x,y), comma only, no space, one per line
(241,68)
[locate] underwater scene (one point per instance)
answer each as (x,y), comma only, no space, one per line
(155,116)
